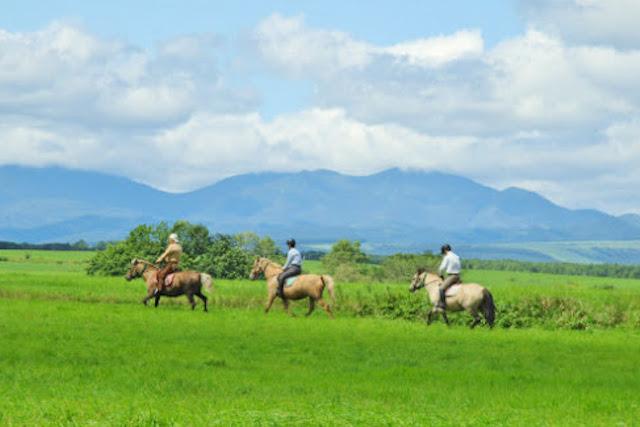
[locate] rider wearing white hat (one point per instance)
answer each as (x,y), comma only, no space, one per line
(172,257)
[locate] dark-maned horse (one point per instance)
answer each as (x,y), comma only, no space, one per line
(470,297)
(187,283)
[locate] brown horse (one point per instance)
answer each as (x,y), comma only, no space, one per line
(305,285)
(470,297)
(187,283)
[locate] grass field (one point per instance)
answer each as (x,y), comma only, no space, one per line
(80,350)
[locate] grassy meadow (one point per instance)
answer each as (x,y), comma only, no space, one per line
(82,350)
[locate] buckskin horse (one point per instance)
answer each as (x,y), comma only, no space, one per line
(470,297)
(305,285)
(187,283)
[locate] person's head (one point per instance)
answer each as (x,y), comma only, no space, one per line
(173,237)
(445,248)
(291,243)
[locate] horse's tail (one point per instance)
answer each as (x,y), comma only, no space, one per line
(488,307)
(329,284)
(207,281)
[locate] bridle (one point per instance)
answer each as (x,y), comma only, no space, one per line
(260,269)
(424,282)
(146,264)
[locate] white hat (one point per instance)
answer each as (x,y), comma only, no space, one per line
(174,237)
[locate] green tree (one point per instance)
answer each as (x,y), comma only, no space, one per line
(80,245)
(225,259)
(402,267)
(344,258)
(145,242)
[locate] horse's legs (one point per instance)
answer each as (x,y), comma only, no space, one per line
(147,298)
(203,298)
(285,303)
(475,316)
(272,296)
(312,306)
(326,307)
(191,300)
(157,299)
(446,319)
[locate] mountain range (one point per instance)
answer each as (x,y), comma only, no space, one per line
(391,211)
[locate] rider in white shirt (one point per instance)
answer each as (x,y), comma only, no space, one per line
(450,265)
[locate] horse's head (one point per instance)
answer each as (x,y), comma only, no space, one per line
(258,267)
(134,270)
(417,280)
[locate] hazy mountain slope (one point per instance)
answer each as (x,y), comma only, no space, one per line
(394,210)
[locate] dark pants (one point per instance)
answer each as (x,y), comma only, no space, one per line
(167,269)
(292,270)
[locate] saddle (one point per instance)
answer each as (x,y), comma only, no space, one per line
(453,289)
(168,280)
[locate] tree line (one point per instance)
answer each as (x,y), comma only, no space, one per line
(221,255)
(231,256)
(80,245)
(573,269)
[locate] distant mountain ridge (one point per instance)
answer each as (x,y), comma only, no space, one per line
(391,211)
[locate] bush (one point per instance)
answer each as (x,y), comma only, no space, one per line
(222,256)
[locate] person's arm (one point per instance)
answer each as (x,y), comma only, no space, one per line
(443,265)
(289,258)
(163,256)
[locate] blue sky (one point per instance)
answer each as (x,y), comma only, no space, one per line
(538,94)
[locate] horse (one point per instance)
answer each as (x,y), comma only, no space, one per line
(470,297)
(305,285)
(187,283)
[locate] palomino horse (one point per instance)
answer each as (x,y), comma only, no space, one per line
(305,285)
(187,283)
(470,297)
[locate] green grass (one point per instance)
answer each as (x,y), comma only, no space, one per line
(46,257)
(82,363)
(80,350)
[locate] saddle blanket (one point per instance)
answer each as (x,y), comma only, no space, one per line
(168,280)
(453,289)
(290,280)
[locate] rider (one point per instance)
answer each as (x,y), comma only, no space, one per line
(451,265)
(172,256)
(293,266)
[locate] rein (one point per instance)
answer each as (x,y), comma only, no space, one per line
(146,264)
(424,282)
(264,269)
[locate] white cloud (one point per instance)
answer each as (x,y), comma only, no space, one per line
(302,52)
(535,110)
(437,51)
(597,22)
(66,73)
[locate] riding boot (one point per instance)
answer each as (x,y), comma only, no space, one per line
(441,303)
(280,291)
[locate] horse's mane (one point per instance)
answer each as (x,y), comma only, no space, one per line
(146,262)
(424,270)
(270,262)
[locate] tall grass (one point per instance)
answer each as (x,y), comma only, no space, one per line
(523,300)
